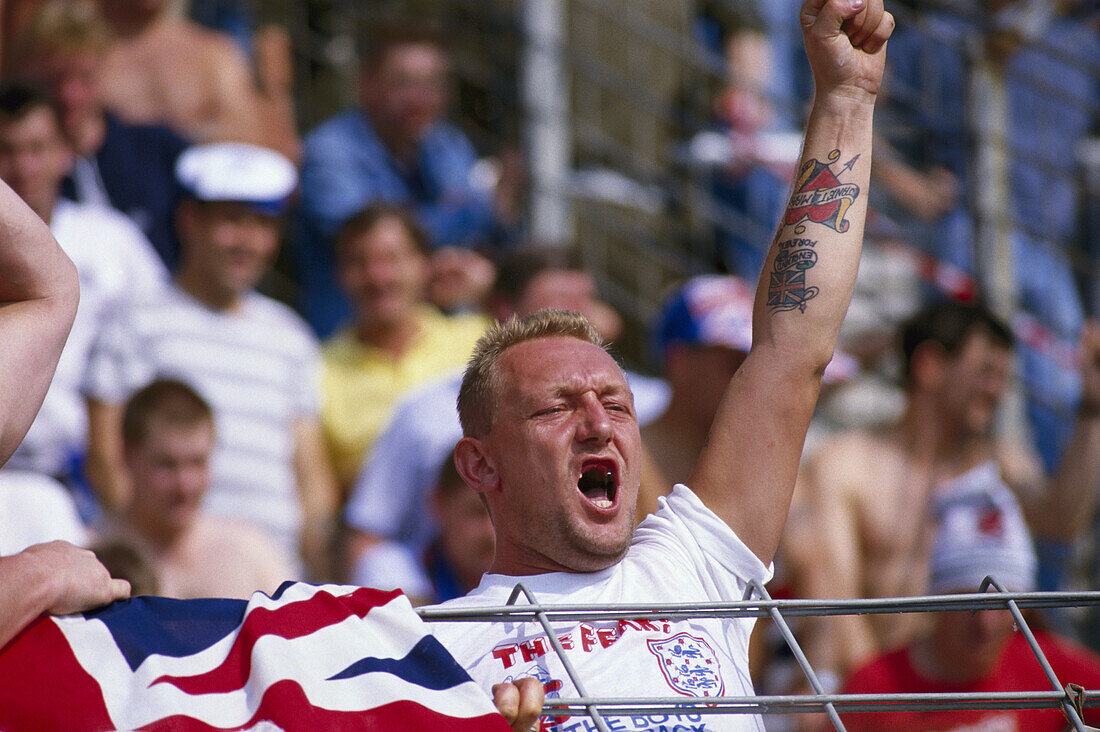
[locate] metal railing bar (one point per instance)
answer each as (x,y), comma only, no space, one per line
(1021,624)
(592,712)
(798,704)
(796,649)
(760,608)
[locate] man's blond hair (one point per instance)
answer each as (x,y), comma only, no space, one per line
(479,393)
(68,25)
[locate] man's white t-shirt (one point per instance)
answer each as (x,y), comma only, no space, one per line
(682,553)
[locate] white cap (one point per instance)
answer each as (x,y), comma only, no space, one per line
(980,531)
(235,171)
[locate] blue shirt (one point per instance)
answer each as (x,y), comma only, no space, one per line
(137,168)
(346,167)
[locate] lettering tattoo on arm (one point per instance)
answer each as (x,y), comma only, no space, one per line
(819,198)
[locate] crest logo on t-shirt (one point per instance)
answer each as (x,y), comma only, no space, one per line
(689,664)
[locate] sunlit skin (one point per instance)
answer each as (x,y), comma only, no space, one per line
(170,470)
(34,159)
(227,246)
(405,95)
(563,405)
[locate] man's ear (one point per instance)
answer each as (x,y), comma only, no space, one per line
(474,466)
(928,365)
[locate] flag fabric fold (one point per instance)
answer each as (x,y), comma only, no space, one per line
(308,657)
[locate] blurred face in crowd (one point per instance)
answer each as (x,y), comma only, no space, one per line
(966,644)
(566,289)
(406,93)
(170,471)
(34,158)
(973,382)
(227,247)
(70,76)
(383,273)
(465,531)
(559,461)
(745,105)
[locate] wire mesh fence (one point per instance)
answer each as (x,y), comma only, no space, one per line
(1063,694)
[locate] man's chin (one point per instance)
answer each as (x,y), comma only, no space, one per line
(599,555)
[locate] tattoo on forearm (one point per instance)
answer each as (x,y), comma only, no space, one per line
(821,198)
(787,288)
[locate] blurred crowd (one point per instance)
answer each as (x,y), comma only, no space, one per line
(210,432)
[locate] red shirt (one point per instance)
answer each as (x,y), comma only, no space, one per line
(1016,670)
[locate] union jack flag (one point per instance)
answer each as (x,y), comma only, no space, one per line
(787,290)
(308,657)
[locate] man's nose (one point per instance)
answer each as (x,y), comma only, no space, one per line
(595,423)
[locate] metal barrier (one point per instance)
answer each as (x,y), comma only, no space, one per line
(1068,697)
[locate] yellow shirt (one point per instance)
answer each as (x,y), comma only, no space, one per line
(360,384)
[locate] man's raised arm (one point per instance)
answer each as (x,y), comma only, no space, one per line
(38,296)
(747,469)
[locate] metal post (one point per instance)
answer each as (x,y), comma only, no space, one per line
(799,656)
(594,713)
(992,199)
(1021,624)
(545,92)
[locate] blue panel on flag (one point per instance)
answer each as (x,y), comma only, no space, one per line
(145,626)
(427,665)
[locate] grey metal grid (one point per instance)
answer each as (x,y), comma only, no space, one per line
(1067,696)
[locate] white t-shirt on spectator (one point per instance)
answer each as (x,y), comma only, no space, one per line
(682,553)
(34,509)
(257,366)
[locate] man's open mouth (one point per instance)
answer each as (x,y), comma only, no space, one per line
(597,483)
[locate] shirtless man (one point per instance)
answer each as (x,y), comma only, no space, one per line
(168,437)
(168,70)
(870,491)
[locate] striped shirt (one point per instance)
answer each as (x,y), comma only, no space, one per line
(257,365)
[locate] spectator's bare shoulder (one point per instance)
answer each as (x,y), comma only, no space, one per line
(851,462)
(219,50)
(253,548)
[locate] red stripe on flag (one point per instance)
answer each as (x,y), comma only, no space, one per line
(285,700)
(42,684)
(293,620)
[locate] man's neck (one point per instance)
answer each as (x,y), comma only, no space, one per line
(403,150)
(200,289)
(158,540)
(933,665)
(128,22)
(394,338)
(930,440)
(89,137)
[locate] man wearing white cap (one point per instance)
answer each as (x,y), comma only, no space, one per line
(251,357)
(979,530)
